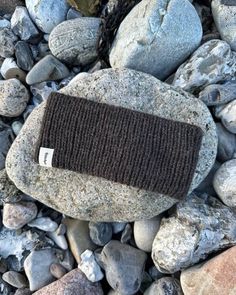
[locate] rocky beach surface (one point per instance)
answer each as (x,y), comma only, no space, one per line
(68,233)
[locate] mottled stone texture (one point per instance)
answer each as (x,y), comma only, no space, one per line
(214,277)
(75,282)
(198,227)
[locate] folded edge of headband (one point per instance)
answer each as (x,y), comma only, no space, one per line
(119,144)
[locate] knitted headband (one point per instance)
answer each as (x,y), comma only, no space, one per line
(119,144)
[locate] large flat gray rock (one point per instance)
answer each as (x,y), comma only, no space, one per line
(94,198)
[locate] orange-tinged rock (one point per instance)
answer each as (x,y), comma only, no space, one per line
(214,277)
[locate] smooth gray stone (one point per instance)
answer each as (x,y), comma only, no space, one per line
(15,279)
(100,232)
(228,116)
(126,235)
(22,25)
(48,68)
(225,183)
(123,266)
(7,41)
(4,23)
(100,199)
(74,41)
(217,94)
(225,20)
(37,268)
(24,56)
(72,14)
(198,226)
(156,37)
(165,286)
(226,144)
(47,13)
(211,63)
(14,97)
(6,139)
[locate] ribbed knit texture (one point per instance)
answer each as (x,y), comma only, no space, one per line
(119,144)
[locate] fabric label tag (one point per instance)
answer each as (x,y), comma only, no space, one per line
(45,157)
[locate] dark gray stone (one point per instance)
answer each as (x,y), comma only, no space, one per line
(8,191)
(100,232)
(226,144)
(126,234)
(48,68)
(217,94)
(165,286)
(15,279)
(22,24)
(24,56)
(8,6)
(123,266)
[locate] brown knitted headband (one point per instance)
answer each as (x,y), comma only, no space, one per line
(119,144)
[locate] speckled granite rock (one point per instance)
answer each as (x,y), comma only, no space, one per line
(86,197)
(216,276)
(225,183)
(74,41)
(13,97)
(75,282)
(156,37)
(210,63)
(224,17)
(165,286)
(198,227)
(6,139)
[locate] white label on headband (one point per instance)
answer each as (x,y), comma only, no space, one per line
(45,157)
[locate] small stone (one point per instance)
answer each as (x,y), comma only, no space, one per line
(215,276)
(75,282)
(57,270)
(48,68)
(16,127)
(23,291)
(198,226)
(10,70)
(217,94)
(37,268)
(7,6)
(7,40)
(118,227)
(13,98)
(224,17)
(228,116)
(78,237)
(8,191)
(126,235)
(6,289)
(123,266)
(15,279)
(100,232)
(46,14)
(145,232)
(61,229)
(24,56)
(60,240)
(89,267)
(210,63)
(4,23)
(72,14)
(169,31)
(22,25)
(225,183)
(17,215)
(3,265)
(155,273)
(165,286)
(41,91)
(74,41)
(68,260)
(44,223)
(226,144)
(6,139)
(42,51)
